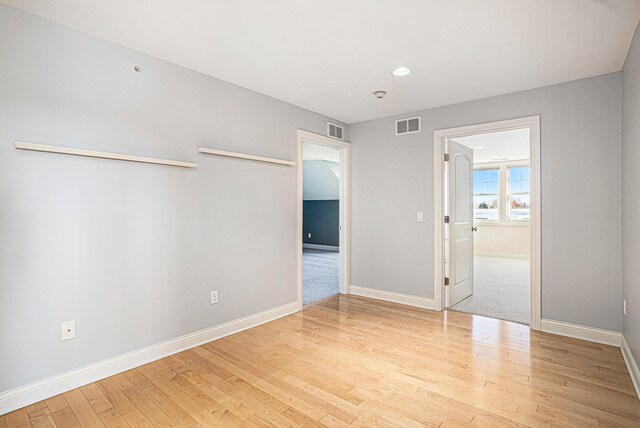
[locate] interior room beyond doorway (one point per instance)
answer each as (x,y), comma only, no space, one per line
(320,222)
(501,214)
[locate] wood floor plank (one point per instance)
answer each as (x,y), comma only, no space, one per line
(41,418)
(331,422)
(121,381)
(56,403)
(169,407)
(293,396)
(160,379)
(263,386)
(202,415)
(115,396)
(96,398)
(36,407)
(82,409)
(352,361)
(18,419)
(112,419)
(65,418)
(137,419)
(150,411)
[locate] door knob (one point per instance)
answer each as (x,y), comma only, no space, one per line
(474,229)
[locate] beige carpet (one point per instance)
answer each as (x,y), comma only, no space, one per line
(501,290)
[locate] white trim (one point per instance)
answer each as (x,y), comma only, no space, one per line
(522,223)
(389,296)
(345,207)
(407,120)
(501,255)
(634,372)
(217,152)
(96,154)
(591,334)
(321,247)
(46,388)
(533,123)
(496,164)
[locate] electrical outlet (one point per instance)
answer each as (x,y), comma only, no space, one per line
(624,306)
(420,217)
(308,235)
(68,330)
(214,297)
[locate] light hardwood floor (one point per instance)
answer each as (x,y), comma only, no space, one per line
(350,361)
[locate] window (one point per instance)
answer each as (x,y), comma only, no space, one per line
(519,198)
(486,194)
(502,193)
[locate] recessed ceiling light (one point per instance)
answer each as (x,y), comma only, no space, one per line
(401,71)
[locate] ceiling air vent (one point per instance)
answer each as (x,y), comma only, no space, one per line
(408,126)
(334,130)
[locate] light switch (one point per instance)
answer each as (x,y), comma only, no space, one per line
(420,217)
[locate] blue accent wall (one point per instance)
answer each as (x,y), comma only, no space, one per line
(322,220)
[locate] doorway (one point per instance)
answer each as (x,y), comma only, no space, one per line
(486,198)
(323,201)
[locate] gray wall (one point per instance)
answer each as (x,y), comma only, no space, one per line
(321,206)
(130,251)
(321,219)
(392,178)
(630,192)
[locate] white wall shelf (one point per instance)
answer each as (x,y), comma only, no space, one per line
(243,156)
(95,154)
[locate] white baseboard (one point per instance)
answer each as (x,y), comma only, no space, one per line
(389,296)
(23,396)
(502,255)
(634,372)
(591,334)
(321,247)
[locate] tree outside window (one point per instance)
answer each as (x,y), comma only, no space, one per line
(486,194)
(519,197)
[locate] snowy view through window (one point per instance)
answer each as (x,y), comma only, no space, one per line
(486,194)
(519,193)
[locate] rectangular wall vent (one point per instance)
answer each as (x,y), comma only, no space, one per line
(408,126)
(334,131)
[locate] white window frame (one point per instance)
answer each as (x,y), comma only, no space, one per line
(503,189)
(490,167)
(508,194)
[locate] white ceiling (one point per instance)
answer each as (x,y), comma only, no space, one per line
(312,151)
(329,56)
(498,146)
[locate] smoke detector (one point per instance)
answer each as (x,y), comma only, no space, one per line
(380,94)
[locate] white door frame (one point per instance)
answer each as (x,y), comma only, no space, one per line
(439,137)
(345,202)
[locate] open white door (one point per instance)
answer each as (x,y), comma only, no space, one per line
(460,222)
